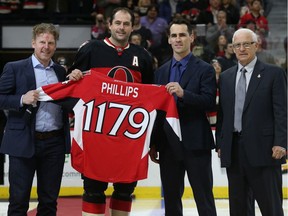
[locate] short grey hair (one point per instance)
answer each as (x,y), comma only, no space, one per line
(245,30)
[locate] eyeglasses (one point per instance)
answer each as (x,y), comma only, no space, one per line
(246,45)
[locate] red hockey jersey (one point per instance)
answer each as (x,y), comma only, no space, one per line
(113,124)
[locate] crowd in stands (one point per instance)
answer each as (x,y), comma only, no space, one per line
(218,18)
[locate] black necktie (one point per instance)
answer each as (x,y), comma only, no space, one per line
(239,100)
(177,74)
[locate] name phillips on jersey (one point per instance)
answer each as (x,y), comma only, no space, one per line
(119,90)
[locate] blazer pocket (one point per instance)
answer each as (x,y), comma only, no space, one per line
(267,132)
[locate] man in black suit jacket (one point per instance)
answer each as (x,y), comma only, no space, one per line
(253,151)
(37,135)
(195,93)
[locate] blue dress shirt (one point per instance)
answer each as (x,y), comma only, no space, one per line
(49,115)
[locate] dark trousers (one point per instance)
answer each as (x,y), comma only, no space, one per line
(197,164)
(265,183)
(48,163)
(250,204)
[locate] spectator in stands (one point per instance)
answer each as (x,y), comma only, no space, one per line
(5,7)
(229,58)
(66,10)
(177,16)
(232,11)
(246,4)
(34,9)
(262,54)
(145,33)
(218,69)
(31,5)
(209,15)
(198,44)
(10,7)
(158,27)
(222,42)
(62,60)
(80,6)
(245,7)
(217,50)
(251,24)
(143,6)
(107,6)
(268,5)
(255,15)
(136,38)
(191,9)
(212,115)
(185,5)
(131,4)
(100,30)
(57,6)
(219,28)
(165,10)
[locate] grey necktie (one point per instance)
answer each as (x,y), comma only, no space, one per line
(239,100)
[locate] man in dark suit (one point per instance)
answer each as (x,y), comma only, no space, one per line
(37,135)
(195,92)
(253,147)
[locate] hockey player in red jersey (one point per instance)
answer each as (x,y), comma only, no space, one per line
(116,58)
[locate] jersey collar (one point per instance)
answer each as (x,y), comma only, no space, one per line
(119,49)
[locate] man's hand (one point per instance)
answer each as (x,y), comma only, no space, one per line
(31,97)
(75,75)
(153,154)
(175,88)
(278,152)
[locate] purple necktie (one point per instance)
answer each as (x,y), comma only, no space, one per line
(177,74)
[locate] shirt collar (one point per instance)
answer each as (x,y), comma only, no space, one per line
(249,67)
(37,64)
(183,61)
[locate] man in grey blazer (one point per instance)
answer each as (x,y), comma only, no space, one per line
(252,148)
(37,135)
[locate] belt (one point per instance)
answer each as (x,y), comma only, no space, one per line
(48,134)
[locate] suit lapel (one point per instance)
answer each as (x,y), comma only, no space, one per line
(230,88)
(191,66)
(58,73)
(165,78)
(256,78)
(31,80)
